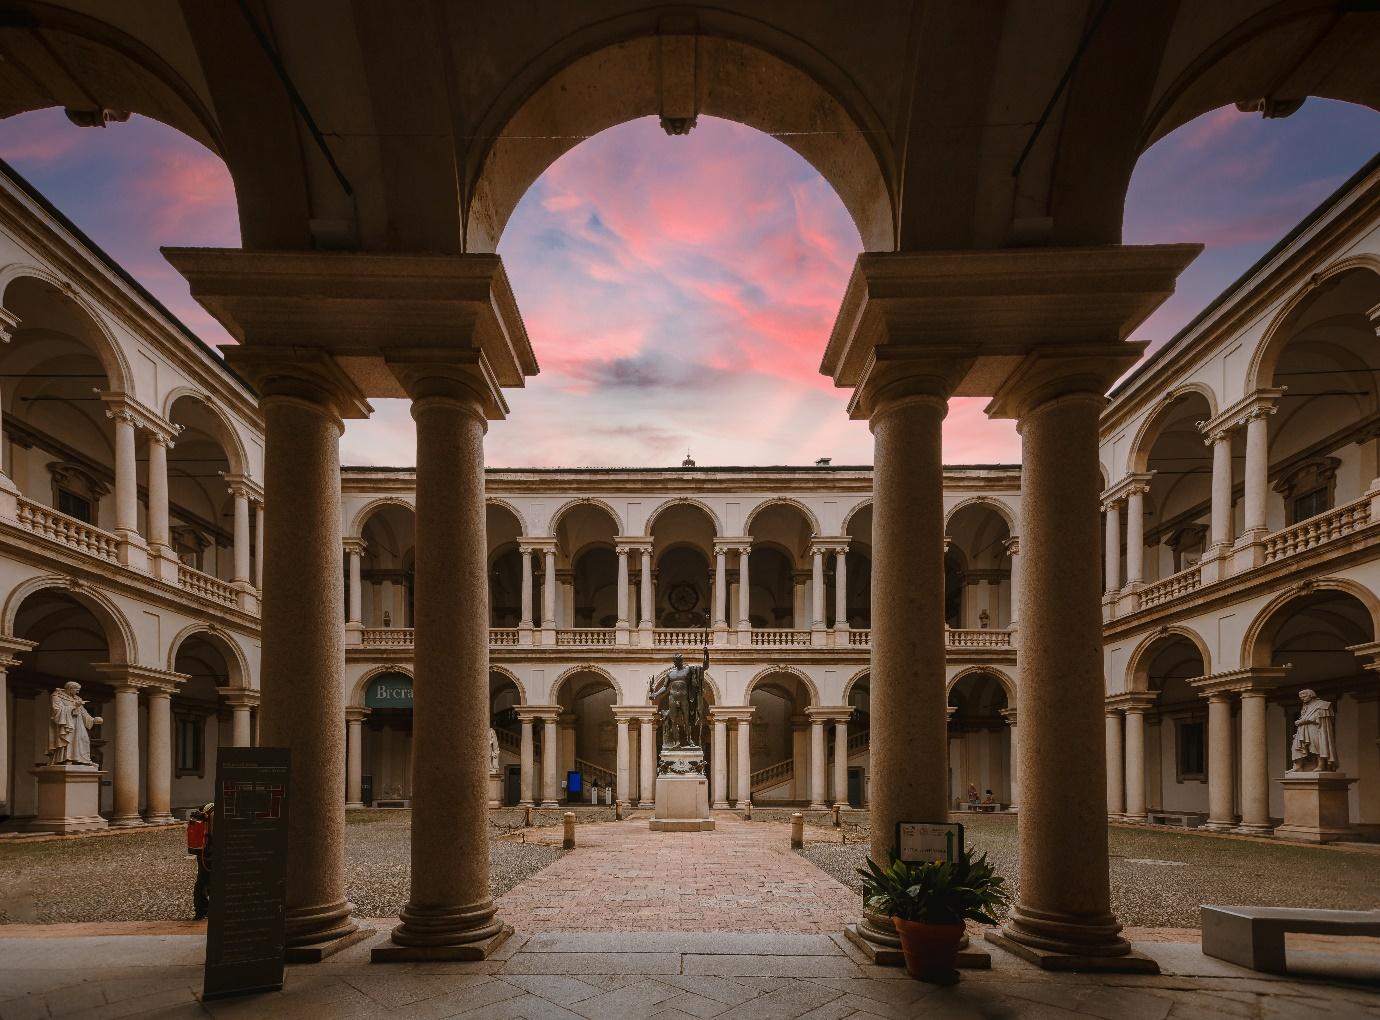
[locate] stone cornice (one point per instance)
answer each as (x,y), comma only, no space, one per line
(244,485)
(633,543)
(1240,681)
(248,697)
(149,678)
(1254,405)
(729,713)
(124,407)
(353,544)
(830,713)
(1118,491)
(1131,701)
(536,544)
(538,712)
(355,713)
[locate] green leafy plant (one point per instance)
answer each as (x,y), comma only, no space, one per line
(938,892)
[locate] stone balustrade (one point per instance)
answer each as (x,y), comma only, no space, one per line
(503,635)
(585,637)
(957,638)
(676,637)
(1316,531)
(64,530)
(777,637)
(1186,580)
(205,586)
(773,774)
(860,638)
(388,636)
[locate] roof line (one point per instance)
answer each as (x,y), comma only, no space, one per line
(745,468)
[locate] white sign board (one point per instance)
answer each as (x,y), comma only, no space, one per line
(918,842)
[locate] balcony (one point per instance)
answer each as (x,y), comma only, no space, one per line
(1185,581)
(977,638)
(1317,531)
(205,586)
(583,637)
(68,531)
(780,638)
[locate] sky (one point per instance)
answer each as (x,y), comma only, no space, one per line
(679,292)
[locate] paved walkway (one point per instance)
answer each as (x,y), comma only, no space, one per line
(609,976)
(622,877)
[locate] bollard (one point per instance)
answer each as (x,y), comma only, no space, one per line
(568,841)
(618,811)
(797,831)
(747,811)
(528,817)
(837,821)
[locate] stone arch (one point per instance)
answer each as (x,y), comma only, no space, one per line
(853,511)
(508,674)
(607,74)
(571,504)
(228,435)
(853,680)
(1138,458)
(800,675)
(585,668)
(523,529)
(227,645)
(686,501)
(360,685)
(805,511)
(1253,650)
(1260,373)
(1136,676)
(106,349)
(1008,685)
(997,505)
(119,634)
(365,512)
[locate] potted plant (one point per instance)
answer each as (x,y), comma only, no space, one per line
(929,903)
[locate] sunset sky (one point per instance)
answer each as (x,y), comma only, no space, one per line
(679,291)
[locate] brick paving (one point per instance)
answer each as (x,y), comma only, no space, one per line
(743,877)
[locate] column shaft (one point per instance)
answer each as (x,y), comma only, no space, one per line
(646,771)
(240,728)
(621,595)
(1135,763)
(5,739)
(525,759)
(159,535)
(1015,582)
(841,589)
(1220,763)
(720,753)
(304,656)
(841,762)
(242,558)
(622,793)
(1135,536)
(126,478)
(159,758)
(548,591)
(1116,765)
(1113,515)
(1255,764)
(259,546)
(744,764)
(646,618)
(1064,905)
(126,793)
(744,590)
(354,771)
(720,587)
(817,588)
(1257,472)
(1221,489)
(356,587)
(551,763)
(818,765)
(527,607)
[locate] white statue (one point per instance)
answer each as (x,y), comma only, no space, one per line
(69,727)
(1314,748)
(493,750)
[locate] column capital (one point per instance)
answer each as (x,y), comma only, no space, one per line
(1137,482)
(1132,701)
(149,678)
(728,713)
(538,713)
(1009,714)
(622,713)
(11,648)
(354,544)
(536,544)
(632,543)
(460,378)
(248,697)
(1257,404)
(309,375)
(1012,545)
(830,713)
(122,407)
(830,544)
(1368,653)
(355,713)
(733,543)
(9,323)
(244,487)
(1250,679)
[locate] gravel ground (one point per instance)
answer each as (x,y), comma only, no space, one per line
(146,876)
(1160,878)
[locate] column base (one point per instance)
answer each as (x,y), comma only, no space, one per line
(550,804)
(126,821)
(351,805)
(1249,551)
(645,805)
(1070,942)
(1218,826)
(882,946)
(132,550)
(719,805)
(315,952)
(1254,830)
(469,951)
(816,806)
(1141,818)
(164,819)
(471,931)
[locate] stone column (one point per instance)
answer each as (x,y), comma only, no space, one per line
(818,764)
(1220,763)
(354,757)
(259,546)
(1116,765)
(1257,473)
(817,588)
(527,605)
(744,593)
(548,591)
(125,810)
(354,549)
(1221,488)
(621,595)
(744,728)
(1255,765)
(449,907)
(551,761)
(623,764)
(525,760)
(1064,910)
(720,586)
(1135,535)
(647,767)
(841,588)
(841,761)
(304,652)
(1112,510)
(1013,549)
(159,756)
(133,551)
(160,541)
(1135,762)
(648,621)
(241,728)
(1009,714)
(242,557)
(720,763)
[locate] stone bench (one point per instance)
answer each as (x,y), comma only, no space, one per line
(1184,819)
(1254,936)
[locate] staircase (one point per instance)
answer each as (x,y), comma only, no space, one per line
(595,775)
(782,773)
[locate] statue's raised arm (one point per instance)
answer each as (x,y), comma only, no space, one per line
(706,657)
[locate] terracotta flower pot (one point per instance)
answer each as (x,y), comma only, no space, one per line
(930,949)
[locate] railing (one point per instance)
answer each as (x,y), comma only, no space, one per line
(774,637)
(668,637)
(392,636)
(64,530)
(977,638)
(860,638)
(857,741)
(584,636)
(208,587)
(595,773)
(773,775)
(503,635)
(1186,580)
(509,739)
(1315,531)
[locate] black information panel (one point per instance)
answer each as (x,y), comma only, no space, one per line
(246,930)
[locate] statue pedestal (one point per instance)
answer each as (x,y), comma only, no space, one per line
(69,799)
(682,793)
(1315,807)
(495,788)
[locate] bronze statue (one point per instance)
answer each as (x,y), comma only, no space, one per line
(683,718)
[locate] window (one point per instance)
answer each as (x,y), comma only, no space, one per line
(1190,737)
(74,505)
(1310,504)
(1309,488)
(191,745)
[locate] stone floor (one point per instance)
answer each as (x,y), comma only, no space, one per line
(605,976)
(743,877)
